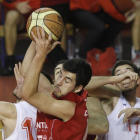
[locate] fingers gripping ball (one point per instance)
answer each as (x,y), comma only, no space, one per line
(47,18)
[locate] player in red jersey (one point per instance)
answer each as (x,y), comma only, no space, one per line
(69,110)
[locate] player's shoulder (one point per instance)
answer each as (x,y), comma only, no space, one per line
(25,106)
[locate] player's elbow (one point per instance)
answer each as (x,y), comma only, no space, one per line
(104,127)
(98,127)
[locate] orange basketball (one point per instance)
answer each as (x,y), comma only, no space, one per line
(47,18)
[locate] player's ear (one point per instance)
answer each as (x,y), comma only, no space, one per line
(78,89)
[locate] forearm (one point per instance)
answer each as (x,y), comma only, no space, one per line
(29,56)
(98,124)
(98,81)
(30,85)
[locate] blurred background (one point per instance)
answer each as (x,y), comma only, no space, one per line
(91,32)
(102,32)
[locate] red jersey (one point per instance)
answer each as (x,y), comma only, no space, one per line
(11,4)
(52,128)
(115,8)
(88,5)
(53,2)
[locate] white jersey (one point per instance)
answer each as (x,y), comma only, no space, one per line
(118,130)
(26,120)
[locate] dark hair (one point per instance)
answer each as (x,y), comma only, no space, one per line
(81,68)
(125,62)
(60,62)
(47,76)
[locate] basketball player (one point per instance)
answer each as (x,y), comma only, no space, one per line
(120,103)
(69,110)
(20,114)
(19,119)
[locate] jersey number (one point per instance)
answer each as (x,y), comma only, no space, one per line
(28,125)
(137,124)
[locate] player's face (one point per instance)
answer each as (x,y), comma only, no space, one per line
(64,81)
(121,70)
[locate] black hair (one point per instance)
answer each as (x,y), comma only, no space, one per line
(60,62)
(81,68)
(125,62)
(47,76)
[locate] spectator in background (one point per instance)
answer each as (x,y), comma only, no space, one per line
(18,13)
(94,16)
(103,20)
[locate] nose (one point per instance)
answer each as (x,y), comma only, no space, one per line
(60,80)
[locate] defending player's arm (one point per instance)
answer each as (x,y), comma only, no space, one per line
(29,56)
(97,122)
(7,111)
(98,87)
(29,91)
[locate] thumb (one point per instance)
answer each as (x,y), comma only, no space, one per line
(55,44)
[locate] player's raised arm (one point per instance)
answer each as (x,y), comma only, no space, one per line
(98,87)
(29,91)
(28,58)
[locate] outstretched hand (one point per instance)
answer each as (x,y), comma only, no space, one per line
(127,78)
(43,45)
(19,78)
(129,113)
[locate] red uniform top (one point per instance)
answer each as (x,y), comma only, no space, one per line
(115,8)
(53,2)
(52,128)
(11,4)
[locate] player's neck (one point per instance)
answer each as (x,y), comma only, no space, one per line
(131,97)
(17,101)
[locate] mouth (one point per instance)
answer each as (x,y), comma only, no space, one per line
(56,89)
(126,85)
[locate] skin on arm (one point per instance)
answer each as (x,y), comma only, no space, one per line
(47,104)
(96,86)
(129,113)
(29,56)
(8,117)
(97,122)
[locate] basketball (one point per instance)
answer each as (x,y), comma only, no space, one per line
(47,18)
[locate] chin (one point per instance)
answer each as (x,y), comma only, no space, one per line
(56,95)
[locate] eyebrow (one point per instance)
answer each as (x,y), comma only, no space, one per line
(69,78)
(57,68)
(126,68)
